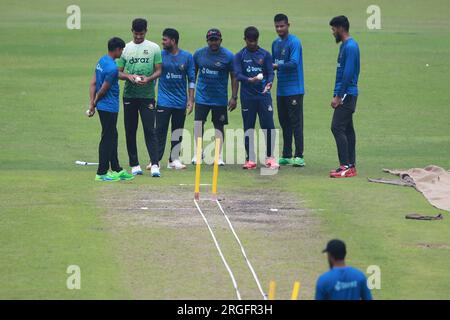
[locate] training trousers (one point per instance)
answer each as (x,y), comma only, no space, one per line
(290,115)
(261,107)
(132,108)
(176,118)
(107,149)
(344,132)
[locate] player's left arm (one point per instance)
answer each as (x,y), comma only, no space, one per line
(191,84)
(92,87)
(365,291)
(157,68)
(320,294)
(351,56)
(269,73)
(102,92)
(232,104)
(294,57)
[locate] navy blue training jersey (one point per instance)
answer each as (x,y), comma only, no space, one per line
(248,64)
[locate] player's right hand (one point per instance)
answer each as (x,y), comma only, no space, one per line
(91,110)
(132,78)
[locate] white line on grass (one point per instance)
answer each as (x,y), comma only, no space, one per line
(243,251)
(219,250)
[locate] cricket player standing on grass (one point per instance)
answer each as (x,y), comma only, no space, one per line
(104,95)
(345,96)
(213,66)
(253,68)
(173,102)
(288,61)
(140,66)
(342,282)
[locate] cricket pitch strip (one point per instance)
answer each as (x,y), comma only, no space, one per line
(167,251)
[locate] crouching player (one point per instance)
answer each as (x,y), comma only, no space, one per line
(253,68)
(104,95)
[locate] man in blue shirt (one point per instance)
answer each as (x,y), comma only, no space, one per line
(344,98)
(213,66)
(178,69)
(288,61)
(253,68)
(104,96)
(341,282)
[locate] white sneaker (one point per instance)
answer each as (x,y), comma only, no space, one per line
(176,164)
(194,159)
(154,171)
(136,170)
(221,163)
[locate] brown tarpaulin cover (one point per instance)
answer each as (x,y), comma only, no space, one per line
(433,182)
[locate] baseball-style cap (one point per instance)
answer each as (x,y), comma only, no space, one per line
(213,34)
(336,248)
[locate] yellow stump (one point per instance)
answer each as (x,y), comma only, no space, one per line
(198,168)
(295,291)
(216,168)
(272,287)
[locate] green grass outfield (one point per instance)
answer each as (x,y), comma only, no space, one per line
(50,214)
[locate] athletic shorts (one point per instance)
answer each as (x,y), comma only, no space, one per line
(219,114)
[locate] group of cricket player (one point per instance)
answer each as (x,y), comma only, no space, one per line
(200,83)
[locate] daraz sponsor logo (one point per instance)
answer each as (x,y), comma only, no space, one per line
(139,60)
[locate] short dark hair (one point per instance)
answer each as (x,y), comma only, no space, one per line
(251,33)
(115,43)
(340,21)
(139,25)
(281,17)
(171,34)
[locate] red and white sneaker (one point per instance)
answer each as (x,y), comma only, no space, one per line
(343,172)
(272,163)
(249,165)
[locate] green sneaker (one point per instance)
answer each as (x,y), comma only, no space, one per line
(123,175)
(284,161)
(106,177)
(298,162)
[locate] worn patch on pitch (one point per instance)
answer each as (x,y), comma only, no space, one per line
(255,208)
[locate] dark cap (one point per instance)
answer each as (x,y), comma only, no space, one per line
(213,34)
(336,248)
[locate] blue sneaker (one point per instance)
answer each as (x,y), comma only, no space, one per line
(154,170)
(136,170)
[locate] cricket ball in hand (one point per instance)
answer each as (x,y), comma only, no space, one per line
(260,76)
(138,79)
(88,112)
